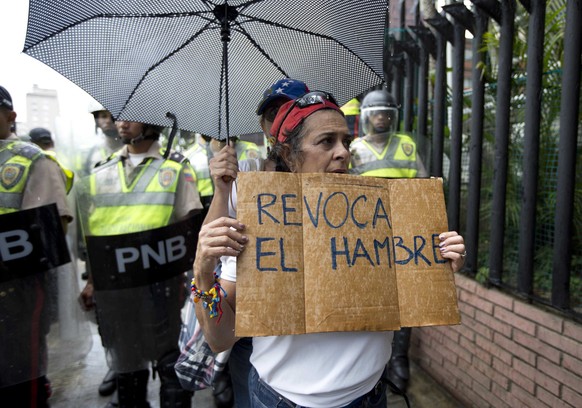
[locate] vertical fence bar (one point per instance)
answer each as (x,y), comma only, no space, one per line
(422,113)
(409,92)
(439,108)
(454,194)
(411,61)
(475,144)
(463,20)
(533,106)
(569,114)
(502,130)
(398,65)
(397,68)
(408,66)
(416,80)
(427,43)
(442,34)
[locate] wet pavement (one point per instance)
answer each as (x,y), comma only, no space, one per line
(76,387)
(424,392)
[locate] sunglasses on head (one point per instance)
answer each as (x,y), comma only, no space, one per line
(313,98)
(310,98)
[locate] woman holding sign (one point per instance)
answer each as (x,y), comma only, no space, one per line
(337,369)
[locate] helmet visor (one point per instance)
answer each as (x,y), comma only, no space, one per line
(379,119)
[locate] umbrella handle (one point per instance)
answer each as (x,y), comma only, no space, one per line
(170,115)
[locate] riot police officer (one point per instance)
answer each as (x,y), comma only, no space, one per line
(32,285)
(42,138)
(92,152)
(351,110)
(137,190)
(108,142)
(382,151)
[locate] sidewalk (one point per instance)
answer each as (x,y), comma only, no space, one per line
(77,387)
(423,392)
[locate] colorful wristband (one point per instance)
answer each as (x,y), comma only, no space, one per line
(211,299)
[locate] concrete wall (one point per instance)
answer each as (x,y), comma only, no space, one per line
(506,352)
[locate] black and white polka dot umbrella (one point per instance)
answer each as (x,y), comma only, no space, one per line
(207,61)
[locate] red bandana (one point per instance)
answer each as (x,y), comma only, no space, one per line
(293,118)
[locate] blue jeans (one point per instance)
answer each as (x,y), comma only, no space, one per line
(240,367)
(263,396)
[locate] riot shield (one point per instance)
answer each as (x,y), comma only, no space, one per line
(42,329)
(139,279)
(140,288)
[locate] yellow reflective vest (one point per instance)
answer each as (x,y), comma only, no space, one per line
(16,160)
(351,108)
(397,159)
(122,206)
(198,157)
(69,174)
(246,150)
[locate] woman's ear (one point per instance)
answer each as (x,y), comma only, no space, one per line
(287,158)
(263,124)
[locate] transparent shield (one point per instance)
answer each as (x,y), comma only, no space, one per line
(42,329)
(138,271)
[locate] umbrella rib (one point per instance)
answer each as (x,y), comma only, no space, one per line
(261,50)
(115,15)
(154,66)
(247,4)
(324,36)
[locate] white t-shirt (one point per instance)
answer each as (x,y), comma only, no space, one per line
(257,164)
(320,370)
(137,158)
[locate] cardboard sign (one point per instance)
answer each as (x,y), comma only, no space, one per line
(332,252)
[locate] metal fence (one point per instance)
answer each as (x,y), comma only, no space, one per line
(509,144)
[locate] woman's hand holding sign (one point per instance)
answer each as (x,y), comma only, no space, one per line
(453,248)
(221,237)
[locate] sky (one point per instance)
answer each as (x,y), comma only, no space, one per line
(19,72)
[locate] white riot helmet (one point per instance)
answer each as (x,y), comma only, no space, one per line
(108,128)
(95,107)
(379,113)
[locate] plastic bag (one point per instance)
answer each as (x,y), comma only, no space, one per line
(197,364)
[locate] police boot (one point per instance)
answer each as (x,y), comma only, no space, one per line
(172,395)
(132,390)
(398,367)
(114,401)
(108,384)
(222,389)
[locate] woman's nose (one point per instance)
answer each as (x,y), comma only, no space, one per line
(342,152)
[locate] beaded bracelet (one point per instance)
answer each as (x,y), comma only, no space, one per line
(211,298)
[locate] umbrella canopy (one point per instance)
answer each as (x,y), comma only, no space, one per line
(207,61)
